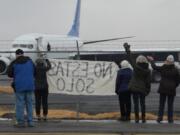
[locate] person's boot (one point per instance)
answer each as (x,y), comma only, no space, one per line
(128,118)
(170,120)
(136,118)
(38,117)
(143,119)
(44,117)
(159,119)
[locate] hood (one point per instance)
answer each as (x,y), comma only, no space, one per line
(22,59)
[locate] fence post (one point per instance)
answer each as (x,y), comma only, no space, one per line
(77,109)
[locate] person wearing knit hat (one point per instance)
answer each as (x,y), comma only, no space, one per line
(168,84)
(141,59)
(140,83)
(22,70)
(125,64)
(123,77)
(170,59)
(19,52)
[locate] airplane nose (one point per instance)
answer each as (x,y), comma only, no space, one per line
(12,56)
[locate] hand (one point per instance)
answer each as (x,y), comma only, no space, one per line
(150,58)
(47,60)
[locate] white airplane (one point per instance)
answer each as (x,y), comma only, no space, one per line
(71,46)
(54,46)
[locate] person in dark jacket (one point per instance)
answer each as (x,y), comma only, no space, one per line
(123,77)
(168,84)
(41,85)
(22,71)
(140,83)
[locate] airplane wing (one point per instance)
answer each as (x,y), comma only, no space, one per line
(104,40)
(84,43)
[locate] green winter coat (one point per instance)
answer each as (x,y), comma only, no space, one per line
(141,78)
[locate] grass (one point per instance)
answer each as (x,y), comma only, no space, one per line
(68,114)
(6,89)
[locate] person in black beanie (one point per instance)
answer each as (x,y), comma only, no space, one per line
(22,71)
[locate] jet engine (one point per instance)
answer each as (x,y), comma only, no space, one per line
(4,63)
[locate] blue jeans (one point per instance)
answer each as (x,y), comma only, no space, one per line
(24,99)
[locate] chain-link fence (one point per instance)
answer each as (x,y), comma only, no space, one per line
(89,107)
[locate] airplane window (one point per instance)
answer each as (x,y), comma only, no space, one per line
(30,46)
(15,45)
(23,46)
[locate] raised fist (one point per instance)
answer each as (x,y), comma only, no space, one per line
(126,47)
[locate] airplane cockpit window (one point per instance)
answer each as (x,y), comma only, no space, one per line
(15,46)
(23,46)
(29,46)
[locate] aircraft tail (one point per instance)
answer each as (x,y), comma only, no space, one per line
(74,31)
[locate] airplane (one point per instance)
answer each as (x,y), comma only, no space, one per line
(70,46)
(53,46)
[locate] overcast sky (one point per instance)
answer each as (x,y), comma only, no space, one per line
(145,19)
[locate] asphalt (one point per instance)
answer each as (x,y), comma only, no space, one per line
(93,126)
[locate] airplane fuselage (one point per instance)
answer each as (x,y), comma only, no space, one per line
(54,46)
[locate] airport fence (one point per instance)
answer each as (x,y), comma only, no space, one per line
(89,106)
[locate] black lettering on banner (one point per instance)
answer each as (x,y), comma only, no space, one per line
(97,70)
(80,85)
(67,71)
(91,82)
(53,71)
(61,84)
(60,68)
(72,86)
(79,81)
(106,69)
(85,69)
(75,71)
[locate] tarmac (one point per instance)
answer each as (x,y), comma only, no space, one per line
(90,127)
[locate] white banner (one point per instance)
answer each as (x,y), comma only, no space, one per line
(79,77)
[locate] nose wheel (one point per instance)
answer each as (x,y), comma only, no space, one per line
(3,67)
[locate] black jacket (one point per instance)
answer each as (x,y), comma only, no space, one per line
(41,77)
(169,78)
(141,78)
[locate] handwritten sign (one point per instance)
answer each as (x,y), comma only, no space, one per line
(78,77)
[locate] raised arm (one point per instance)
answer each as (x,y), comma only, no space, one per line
(129,54)
(48,65)
(153,65)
